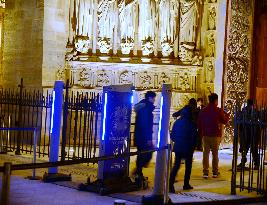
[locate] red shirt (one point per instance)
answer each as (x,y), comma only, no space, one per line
(210,120)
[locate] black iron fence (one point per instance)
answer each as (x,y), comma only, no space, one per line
(80,132)
(249,150)
(29,108)
(25,108)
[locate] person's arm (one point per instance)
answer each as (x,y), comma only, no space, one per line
(177,114)
(224,117)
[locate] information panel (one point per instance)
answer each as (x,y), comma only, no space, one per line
(115,135)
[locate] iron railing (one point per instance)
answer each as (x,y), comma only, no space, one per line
(249,150)
(80,132)
(25,108)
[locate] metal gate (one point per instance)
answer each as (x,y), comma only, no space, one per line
(249,150)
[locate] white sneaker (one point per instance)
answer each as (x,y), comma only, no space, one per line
(205,176)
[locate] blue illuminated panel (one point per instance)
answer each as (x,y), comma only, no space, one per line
(105,116)
(160,119)
(52,116)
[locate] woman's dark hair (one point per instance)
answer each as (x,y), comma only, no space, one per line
(150,94)
(213,97)
(193,102)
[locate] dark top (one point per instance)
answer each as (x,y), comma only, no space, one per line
(184,132)
(143,123)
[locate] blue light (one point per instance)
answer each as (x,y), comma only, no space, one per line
(160,119)
(53,110)
(104,117)
(132,99)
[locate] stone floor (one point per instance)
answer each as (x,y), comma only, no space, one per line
(35,192)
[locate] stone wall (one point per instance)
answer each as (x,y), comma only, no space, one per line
(23,43)
(55,39)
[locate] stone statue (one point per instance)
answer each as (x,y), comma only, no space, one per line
(147,23)
(127,16)
(209,71)
(212,18)
(84,18)
(168,24)
(211,45)
(188,21)
(106,23)
(186,53)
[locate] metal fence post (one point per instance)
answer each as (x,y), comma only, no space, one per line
(19,118)
(34,152)
(6,183)
(235,155)
(65,119)
(161,166)
(56,124)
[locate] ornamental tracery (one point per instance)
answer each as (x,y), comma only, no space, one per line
(238,57)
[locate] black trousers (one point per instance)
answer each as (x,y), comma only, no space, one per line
(142,160)
(249,140)
(188,167)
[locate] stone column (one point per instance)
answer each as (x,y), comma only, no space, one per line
(55,37)
(23,43)
(238,55)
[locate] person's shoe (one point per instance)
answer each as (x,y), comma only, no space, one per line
(216,175)
(205,176)
(187,187)
(171,189)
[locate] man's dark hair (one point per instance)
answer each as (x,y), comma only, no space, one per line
(150,94)
(213,97)
(193,102)
(200,100)
(250,102)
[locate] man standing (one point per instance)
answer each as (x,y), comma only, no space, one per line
(249,137)
(209,123)
(143,130)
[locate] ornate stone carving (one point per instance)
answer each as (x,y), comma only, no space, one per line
(126,77)
(185,82)
(238,56)
(197,59)
(147,46)
(212,18)
(163,78)
(186,53)
(104,45)
(127,45)
(82,44)
(103,79)
(85,78)
(166,48)
(145,80)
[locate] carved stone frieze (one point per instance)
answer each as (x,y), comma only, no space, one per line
(238,56)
